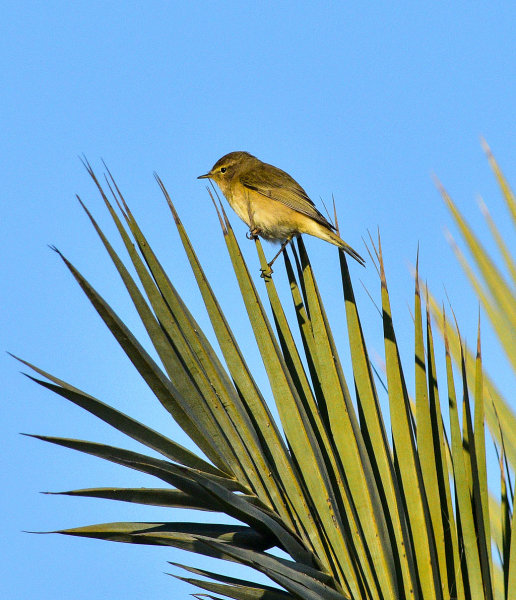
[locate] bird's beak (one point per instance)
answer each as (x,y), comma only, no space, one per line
(207,176)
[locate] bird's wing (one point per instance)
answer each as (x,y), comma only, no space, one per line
(275,184)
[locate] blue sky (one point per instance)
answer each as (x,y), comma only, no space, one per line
(364,102)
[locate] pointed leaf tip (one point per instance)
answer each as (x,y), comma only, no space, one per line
(485,146)
(479,353)
(86,163)
(84,207)
(437,182)
(173,210)
(416,275)
(379,253)
(217,210)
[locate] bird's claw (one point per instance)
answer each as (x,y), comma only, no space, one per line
(252,234)
(266,272)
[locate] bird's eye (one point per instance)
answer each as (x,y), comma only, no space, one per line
(223,170)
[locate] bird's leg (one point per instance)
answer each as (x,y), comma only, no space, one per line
(254,231)
(280,251)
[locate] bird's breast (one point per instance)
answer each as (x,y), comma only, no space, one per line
(275,220)
(239,201)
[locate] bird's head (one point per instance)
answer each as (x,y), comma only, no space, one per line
(228,167)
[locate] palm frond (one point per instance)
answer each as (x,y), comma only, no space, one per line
(360,512)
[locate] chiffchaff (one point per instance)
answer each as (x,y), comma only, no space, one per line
(271,202)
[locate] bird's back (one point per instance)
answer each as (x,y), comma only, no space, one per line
(273,183)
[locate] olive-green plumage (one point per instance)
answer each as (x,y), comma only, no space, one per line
(271,202)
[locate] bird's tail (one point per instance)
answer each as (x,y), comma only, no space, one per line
(333,238)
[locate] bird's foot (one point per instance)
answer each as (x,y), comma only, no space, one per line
(266,272)
(253,233)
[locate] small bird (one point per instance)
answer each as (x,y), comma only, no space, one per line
(271,202)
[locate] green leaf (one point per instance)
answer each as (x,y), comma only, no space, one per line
(443,459)
(499,414)
(470,459)
(511,559)
(286,573)
(412,486)
(149,496)
(343,428)
(462,490)
(375,436)
(188,536)
(167,471)
(239,591)
(181,365)
(165,391)
(502,181)
(480,479)
(237,588)
(428,444)
(124,423)
(500,242)
(297,427)
(310,409)
(500,291)
(277,468)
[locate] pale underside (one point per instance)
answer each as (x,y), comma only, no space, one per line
(275,221)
